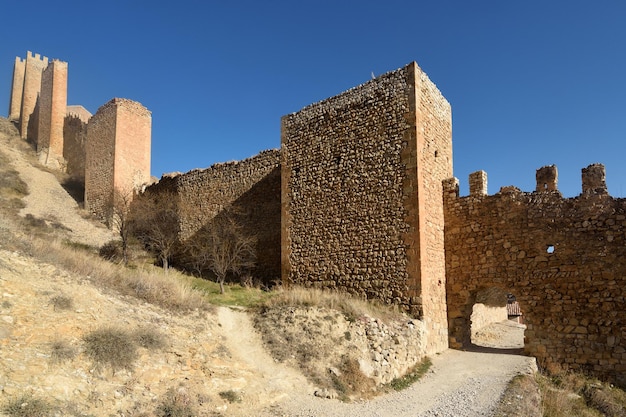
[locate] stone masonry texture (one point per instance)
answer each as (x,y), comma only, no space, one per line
(361,198)
(31,87)
(362,206)
(117,153)
(249,189)
(563,259)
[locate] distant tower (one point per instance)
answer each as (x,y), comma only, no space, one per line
(117,153)
(17,88)
(52,111)
(33,69)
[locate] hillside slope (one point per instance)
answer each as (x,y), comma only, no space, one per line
(61,333)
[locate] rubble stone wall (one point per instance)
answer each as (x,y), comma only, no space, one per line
(248,190)
(562,258)
(362,194)
(99,160)
(74,140)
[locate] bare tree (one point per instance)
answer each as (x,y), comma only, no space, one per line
(119,218)
(155,222)
(222,247)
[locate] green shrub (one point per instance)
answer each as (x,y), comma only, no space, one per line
(111,346)
(412,376)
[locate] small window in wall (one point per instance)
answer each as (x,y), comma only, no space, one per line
(550,249)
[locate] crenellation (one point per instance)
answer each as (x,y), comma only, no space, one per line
(361,197)
(547,178)
(560,257)
(593,180)
(478,183)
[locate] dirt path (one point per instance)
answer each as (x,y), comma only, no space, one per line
(460,383)
(276,383)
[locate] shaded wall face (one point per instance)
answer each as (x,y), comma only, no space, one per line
(74,140)
(99,161)
(345,163)
(564,261)
(249,190)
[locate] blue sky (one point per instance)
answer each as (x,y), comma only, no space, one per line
(531,83)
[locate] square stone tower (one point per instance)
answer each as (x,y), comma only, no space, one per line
(117,153)
(362,195)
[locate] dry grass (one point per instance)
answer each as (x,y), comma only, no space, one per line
(111,346)
(166,289)
(62,302)
(521,398)
(61,351)
(28,406)
(176,403)
(351,306)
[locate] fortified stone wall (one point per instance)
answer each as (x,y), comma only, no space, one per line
(34,67)
(249,189)
(17,87)
(74,140)
(561,257)
(99,160)
(362,194)
(52,111)
(117,153)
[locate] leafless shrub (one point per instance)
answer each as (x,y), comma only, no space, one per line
(111,346)
(223,247)
(61,302)
(61,351)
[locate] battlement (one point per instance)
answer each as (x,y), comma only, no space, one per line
(36,57)
(593,182)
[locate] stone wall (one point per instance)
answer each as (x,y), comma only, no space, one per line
(17,87)
(74,140)
(362,205)
(117,153)
(52,111)
(562,258)
(34,67)
(249,189)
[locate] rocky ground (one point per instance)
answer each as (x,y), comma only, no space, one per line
(211,361)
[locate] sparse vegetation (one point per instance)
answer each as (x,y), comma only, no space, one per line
(170,290)
(223,248)
(111,346)
(150,338)
(231,396)
(412,376)
(352,307)
(28,406)
(350,381)
(61,351)
(62,302)
(154,220)
(176,403)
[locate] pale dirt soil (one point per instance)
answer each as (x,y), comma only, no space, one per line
(207,353)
